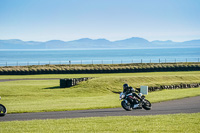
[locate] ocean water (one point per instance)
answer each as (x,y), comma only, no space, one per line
(111,56)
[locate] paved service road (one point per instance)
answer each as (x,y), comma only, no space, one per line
(186,105)
(6,80)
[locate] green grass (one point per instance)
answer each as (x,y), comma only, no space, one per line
(183,123)
(147,74)
(45,95)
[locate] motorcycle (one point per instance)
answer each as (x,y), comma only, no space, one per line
(144,103)
(3,110)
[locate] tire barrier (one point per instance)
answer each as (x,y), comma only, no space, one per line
(66,83)
(180,86)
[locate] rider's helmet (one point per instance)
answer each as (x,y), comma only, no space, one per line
(125,86)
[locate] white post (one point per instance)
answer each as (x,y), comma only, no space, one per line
(144,90)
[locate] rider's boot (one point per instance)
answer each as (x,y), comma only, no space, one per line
(140,104)
(136,106)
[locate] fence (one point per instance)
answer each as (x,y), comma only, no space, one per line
(80,62)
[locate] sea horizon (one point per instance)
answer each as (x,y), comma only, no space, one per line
(18,57)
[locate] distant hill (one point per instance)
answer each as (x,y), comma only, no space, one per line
(87,43)
(168,42)
(134,42)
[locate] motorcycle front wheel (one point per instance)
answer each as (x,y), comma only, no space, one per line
(146,105)
(3,110)
(125,106)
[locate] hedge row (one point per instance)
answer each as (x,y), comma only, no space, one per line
(100,70)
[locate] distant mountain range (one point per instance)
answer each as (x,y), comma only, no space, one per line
(87,43)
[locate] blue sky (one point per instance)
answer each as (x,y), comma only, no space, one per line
(42,20)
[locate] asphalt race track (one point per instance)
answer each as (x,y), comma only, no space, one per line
(186,105)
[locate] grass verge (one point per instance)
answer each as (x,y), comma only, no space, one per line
(45,95)
(188,123)
(141,74)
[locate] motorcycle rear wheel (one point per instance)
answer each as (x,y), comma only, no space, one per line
(125,106)
(146,105)
(3,110)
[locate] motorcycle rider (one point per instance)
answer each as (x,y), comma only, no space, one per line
(125,86)
(130,92)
